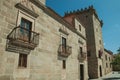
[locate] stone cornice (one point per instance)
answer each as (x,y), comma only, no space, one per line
(54,15)
(90,9)
(108,51)
(78,33)
(27,10)
(38,3)
(63,31)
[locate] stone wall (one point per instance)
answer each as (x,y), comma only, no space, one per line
(107,61)
(94,41)
(98,44)
(8,16)
(43,63)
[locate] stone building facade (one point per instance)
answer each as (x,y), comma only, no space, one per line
(95,46)
(95,49)
(115,67)
(108,58)
(38,44)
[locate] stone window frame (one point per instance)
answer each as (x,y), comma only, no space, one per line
(27,13)
(64,64)
(22,14)
(106,57)
(64,36)
(106,65)
(22,63)
(109,59)
(80,27)
(26,16)
(30,15)
(100,54)
(81,50)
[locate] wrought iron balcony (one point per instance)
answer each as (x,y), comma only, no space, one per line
(82,56)
(23,37)
(64,51)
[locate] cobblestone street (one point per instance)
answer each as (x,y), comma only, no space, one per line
(110,76)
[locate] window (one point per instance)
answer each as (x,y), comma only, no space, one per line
(81,51)
(64,44)
(64,41)
(106,65)
(26,24)
(80,27)
(26,21)
(106,57)
(100,41)
(99,53)
(109,58)
(25,29)
(64,64)
(22,60)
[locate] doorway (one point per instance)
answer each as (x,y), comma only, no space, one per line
(100,68)
(81,72)
(25,29)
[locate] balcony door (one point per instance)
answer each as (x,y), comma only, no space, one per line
(25,29)
(64,44)
(100,69)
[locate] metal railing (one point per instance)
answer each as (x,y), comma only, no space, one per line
(65,50)
(23,35)
(82,56)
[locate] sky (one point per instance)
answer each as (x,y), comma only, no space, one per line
(107,10)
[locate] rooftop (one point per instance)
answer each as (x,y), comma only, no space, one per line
(89,9)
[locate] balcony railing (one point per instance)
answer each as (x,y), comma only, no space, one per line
(82,56)
(64,51)
(23,37)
